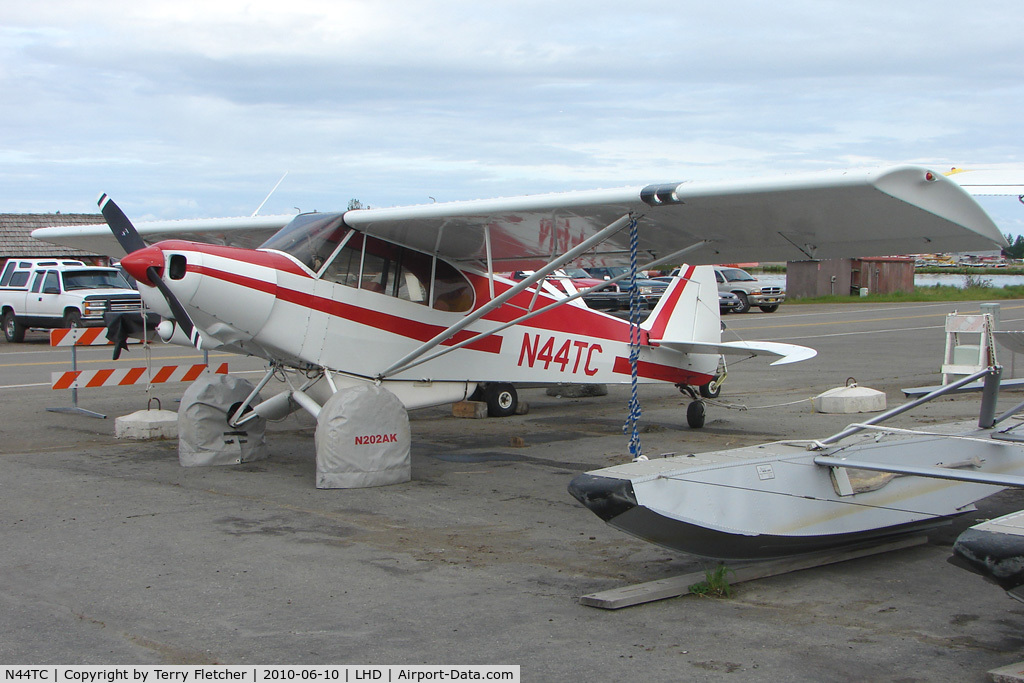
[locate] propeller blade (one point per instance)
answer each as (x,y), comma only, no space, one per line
(125,233)
(180,315)
(130,240)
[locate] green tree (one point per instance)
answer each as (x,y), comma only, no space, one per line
(1016,248)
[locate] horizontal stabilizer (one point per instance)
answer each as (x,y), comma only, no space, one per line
(791,353)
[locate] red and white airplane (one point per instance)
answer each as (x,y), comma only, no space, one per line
(408,296)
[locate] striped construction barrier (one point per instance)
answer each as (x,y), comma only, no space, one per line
(79,336)
(82,379)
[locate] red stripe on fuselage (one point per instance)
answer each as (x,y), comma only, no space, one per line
(383,321)
(663,373)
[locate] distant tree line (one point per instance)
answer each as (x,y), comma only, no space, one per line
(1016,248)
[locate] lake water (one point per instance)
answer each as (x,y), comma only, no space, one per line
(920,280)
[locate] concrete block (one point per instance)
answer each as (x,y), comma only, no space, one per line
(469,409)
(146,425)
(849,400)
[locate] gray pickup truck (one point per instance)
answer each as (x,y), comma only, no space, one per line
(749,290)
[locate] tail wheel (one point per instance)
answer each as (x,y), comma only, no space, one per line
(502,399)
(695,414)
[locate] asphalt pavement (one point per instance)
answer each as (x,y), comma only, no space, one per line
(113,553)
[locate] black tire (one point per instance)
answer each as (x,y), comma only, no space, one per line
(502,399)
(14,331)
(72,318)
(705,390)
(744,302)
(770,308)
(695,414)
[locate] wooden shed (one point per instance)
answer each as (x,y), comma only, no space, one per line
(882,275)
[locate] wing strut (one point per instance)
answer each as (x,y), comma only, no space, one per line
(498,301)
(561,302)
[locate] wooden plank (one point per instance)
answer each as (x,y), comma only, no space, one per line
(675,586)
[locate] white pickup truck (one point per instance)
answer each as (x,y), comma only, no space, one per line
(60,293)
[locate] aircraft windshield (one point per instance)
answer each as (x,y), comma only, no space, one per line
(310,237)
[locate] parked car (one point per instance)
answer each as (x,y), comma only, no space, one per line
(727,301)
(607,298)
(650,290)
(748,289)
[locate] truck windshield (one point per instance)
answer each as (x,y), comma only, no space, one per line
(94,279)
(737,275)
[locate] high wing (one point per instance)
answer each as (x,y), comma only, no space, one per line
(247,231)
(898,210)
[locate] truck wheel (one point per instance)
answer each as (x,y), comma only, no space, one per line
(744,302)
(72,318)
(502,399)
(13,330)
(770,308)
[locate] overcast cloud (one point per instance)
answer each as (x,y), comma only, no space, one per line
(192,109)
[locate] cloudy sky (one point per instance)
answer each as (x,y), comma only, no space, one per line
(188,108)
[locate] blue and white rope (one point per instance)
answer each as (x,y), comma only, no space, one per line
(632,427)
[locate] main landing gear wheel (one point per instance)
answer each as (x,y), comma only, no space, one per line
(502,399)
(695,414)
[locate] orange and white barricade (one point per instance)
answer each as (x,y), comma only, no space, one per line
(76,379)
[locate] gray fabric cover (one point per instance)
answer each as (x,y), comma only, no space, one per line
(204,437)
(362,439)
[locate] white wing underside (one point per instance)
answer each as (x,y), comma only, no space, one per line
(900,210)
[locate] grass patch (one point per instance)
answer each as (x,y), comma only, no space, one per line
(715,583)
(938,293)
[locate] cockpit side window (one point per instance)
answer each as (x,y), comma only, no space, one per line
(378,266)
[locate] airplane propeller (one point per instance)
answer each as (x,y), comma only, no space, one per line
(132,243)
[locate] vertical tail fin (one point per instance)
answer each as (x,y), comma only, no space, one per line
(688,310)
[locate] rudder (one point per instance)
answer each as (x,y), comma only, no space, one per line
(688,310)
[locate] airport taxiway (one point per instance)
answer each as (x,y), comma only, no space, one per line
(113,553)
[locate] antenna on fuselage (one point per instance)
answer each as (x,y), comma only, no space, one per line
(270,193)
